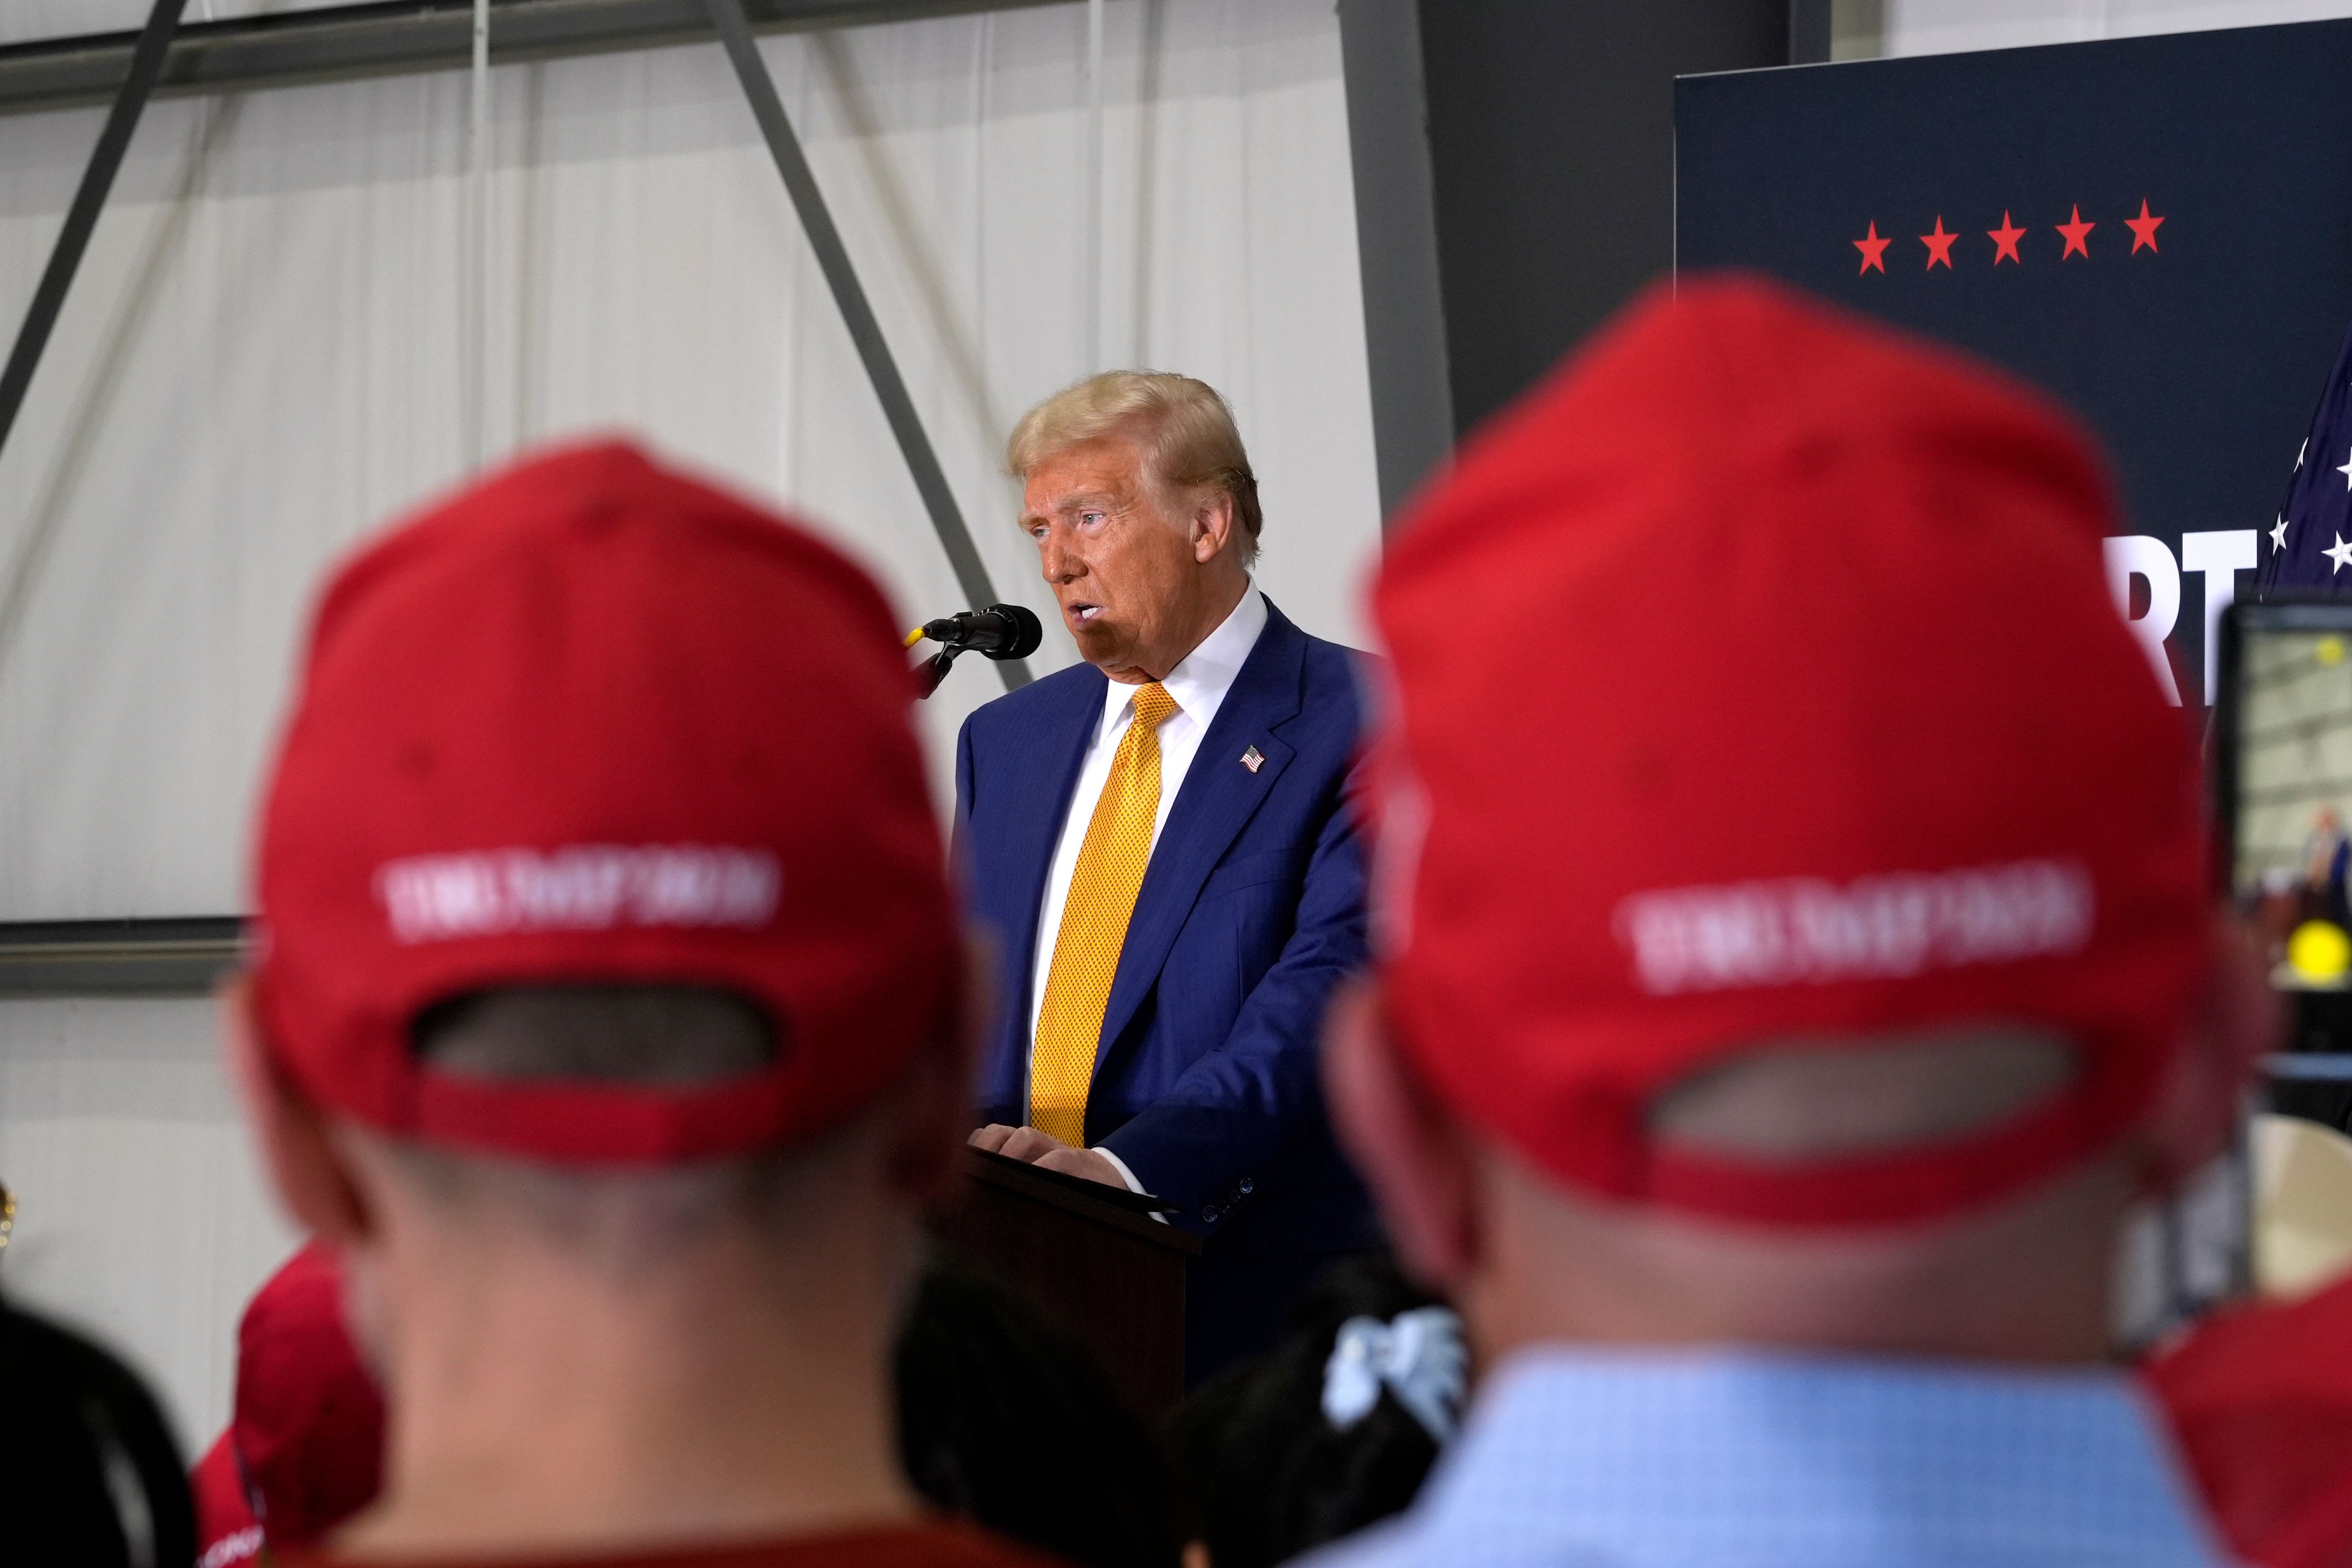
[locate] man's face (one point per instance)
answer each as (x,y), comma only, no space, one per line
(1127,568)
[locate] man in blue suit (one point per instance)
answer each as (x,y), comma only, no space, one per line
(1161,839)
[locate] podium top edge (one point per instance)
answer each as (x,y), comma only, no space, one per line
(1040,1186)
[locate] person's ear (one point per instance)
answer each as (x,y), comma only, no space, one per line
(936,1099)
(2236,1022)
(1212,525)
(312,1178)
(1412,1154)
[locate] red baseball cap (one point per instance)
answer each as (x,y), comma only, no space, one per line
(2259,1399)
(308,1431)
(1756,677)
(226,1531)
(594,722)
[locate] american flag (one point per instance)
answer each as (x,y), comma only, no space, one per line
(2308,545)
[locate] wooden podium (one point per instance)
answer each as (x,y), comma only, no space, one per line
(1090,1257)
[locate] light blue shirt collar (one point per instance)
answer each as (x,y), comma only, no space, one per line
(1745,1459)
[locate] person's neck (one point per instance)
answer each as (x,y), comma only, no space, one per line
(2026,1282)
(531,1414)
(1217,606)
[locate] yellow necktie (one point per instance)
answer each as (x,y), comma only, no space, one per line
(1111,859)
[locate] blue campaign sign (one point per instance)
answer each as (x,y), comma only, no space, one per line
(2157,230)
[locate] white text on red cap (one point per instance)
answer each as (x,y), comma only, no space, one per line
(586,887)
(1808,931)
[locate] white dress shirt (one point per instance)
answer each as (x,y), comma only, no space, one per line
(1199,686)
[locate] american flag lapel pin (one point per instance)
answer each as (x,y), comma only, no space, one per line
(1253,759)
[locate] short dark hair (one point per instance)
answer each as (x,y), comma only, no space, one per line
(670,1034)
(598,1033)
(1007,1421)
(1264,1473)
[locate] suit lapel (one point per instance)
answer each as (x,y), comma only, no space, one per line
(1218,797)
(1044,771)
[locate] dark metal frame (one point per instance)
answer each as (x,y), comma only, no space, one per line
(344,40)
(131,91)
(857,315)
(393,37)
(183,955)
(149,957)
(1396,244)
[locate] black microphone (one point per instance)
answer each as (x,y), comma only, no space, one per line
(1000,631)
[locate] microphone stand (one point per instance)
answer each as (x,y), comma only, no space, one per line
(934,669)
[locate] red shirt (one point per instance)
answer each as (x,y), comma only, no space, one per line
(899,1546)
(2260,1398)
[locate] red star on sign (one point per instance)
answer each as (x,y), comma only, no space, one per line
(1939,245)
(2004,240)
(2143,229)
(2078,236)
(1873,250)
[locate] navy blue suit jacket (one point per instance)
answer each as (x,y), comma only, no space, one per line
(1252,911)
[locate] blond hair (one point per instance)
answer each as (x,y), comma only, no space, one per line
(1186,430)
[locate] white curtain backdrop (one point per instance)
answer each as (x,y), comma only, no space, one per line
(261,361)
(1865,29)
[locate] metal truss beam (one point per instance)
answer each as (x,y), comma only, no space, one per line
(186,957)
(391,37)
(137,957)
(857,315)
(130,93)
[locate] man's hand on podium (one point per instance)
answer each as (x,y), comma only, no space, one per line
(1045,1150)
